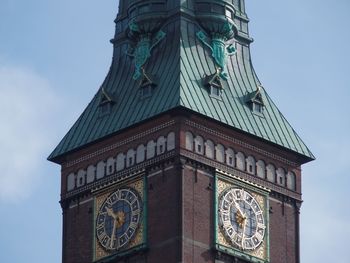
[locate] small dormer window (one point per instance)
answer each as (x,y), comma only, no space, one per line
(255,101)
(146,91)
(215,91)
(147,86)
(214,85)
(258,108)
(105,109)
(106,103)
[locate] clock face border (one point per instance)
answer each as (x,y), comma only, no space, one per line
(139,239)
(223,183)
(241,218)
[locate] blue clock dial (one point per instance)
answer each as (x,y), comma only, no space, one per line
(118,219)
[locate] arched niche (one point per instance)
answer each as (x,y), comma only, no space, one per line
(140,153)
(81,178)
(199,145)
(161,145)
(209,149)
(171,141)
(100,170)
(240,161)
(220,153)
(151,152)
(189,141)
(261,169)
(130,157)
(110,169)
(230,157)
(270,172)
(281,176)
(291,181)
(120,161)
(71,182)
(90,174)
(251,165)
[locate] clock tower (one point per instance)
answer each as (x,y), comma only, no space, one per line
(181,156)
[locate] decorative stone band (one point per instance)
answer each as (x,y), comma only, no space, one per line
(236,177)
(120,176)
(228,156)
(118,144)
(230,171)
(121,161)
(239,142)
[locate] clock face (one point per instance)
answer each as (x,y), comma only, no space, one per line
(118,219)
(241,219)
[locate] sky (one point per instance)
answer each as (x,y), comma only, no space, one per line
(54,55)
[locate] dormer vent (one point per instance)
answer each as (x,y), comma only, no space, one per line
(255,101)
(106,102)
(147,85)
(214,84)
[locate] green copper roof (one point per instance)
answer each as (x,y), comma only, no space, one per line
(178,64)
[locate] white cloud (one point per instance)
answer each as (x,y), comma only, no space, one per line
(26,104)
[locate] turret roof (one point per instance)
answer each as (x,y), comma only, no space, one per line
(181,63)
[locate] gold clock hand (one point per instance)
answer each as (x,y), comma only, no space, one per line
(120,218)
(243,232)
(113,233)
(111,213)
(238,207)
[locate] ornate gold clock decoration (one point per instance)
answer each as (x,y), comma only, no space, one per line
(119,220)
(242,220)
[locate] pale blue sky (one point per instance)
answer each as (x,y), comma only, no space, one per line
(55,54)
